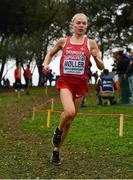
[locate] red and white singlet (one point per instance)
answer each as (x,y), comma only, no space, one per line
(75,60)
(74,67)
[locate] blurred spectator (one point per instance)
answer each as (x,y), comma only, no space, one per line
(17,76)
(129,73)
(83,103)
(105,88)
(6,83)
(120,66)
(90,73)
(27,76)
(43,79)
(50,77)
(95,75)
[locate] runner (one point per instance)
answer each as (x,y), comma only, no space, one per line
(73,81)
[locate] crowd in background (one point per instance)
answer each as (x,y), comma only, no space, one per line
(120,79)
(44,79)
(123,69)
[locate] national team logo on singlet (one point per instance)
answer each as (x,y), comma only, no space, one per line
(74,62)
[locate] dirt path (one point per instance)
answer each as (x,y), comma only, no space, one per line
(19,148)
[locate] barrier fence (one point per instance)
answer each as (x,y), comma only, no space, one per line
(51,110)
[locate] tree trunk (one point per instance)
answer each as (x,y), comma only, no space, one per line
(2,70)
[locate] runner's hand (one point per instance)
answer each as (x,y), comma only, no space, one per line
(46,69)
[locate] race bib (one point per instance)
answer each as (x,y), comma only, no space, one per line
(74,64)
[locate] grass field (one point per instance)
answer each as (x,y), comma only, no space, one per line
(92,150)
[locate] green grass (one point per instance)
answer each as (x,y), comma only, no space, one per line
(93,148)
(90,131)
(98,135)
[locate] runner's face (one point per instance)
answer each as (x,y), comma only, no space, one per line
(80,25)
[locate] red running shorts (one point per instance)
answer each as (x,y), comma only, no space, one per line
(78,89)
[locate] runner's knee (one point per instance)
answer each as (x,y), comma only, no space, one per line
(70,113)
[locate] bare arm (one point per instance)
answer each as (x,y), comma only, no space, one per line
(96,55)
(59,45)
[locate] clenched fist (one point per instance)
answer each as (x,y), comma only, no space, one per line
(46,69)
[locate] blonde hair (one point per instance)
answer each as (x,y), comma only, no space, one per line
(76,16)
